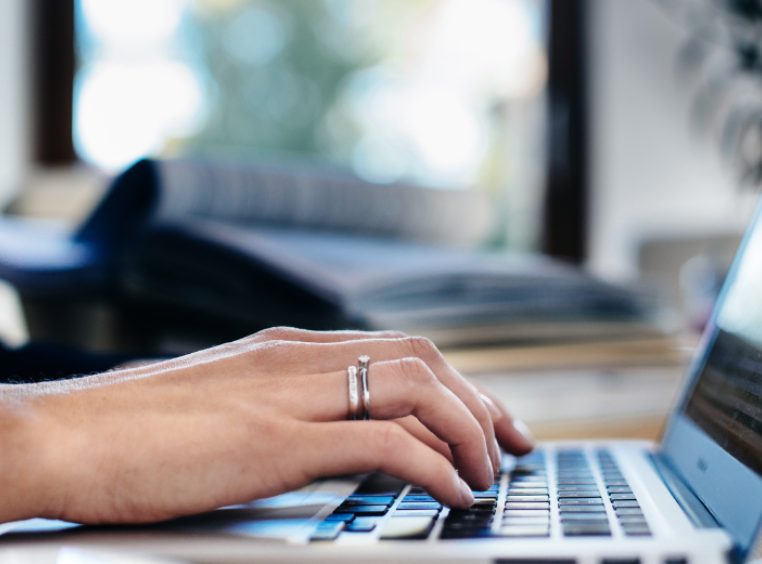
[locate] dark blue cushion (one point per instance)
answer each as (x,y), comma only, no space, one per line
(46,260)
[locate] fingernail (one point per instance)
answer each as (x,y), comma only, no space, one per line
(489,464)
(524,431)
(466,497)
(491,407)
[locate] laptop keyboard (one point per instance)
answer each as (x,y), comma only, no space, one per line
(564,492)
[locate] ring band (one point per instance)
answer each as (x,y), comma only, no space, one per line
(354,396)
(363,364)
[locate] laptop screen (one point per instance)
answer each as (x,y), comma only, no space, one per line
(714,440)
(726,400)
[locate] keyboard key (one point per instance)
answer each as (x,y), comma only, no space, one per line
(528,483)
(487,492)
(622,496)
(600,516)
(381,484)
(526,520)
(407,528)
(527,491)
(629,511)
(419,505)
(527,498)
(345,517)
(620,504)
(466,533)
(364,509)
(576,502)
(484,502)
(327,531)
(571,489)
(637,518)
(525,512)
(414,497)
(635,526)
(619,489)
(636,531)
(582,509)
(416,513)
(524,531)
(369,500)
(470,516)
(525,505)
(590,494)
(586,530)
(362,525)
(463,526)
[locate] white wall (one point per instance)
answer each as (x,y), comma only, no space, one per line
(653,174)
(13,97)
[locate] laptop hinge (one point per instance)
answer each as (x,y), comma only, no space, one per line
(690,503)
(693,507)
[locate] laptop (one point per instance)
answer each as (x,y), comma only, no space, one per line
(694,497)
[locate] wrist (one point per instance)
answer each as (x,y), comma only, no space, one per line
(26,442)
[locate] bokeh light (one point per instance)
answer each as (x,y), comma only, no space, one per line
(396,90)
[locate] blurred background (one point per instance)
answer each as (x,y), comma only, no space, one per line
(621,138)
(618,136)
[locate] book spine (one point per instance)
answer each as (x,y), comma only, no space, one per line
(321,200)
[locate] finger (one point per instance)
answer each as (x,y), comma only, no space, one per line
(399,388)
(324,357)
(307,336)
(346,447)
(419,431)
(512,434)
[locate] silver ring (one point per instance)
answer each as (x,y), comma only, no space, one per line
(354,396)
(363,364)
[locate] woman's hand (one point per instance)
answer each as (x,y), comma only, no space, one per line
(244,420)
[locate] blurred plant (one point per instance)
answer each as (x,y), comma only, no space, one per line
(723,54)
(272,72)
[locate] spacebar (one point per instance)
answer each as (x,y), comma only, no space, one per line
(407,528)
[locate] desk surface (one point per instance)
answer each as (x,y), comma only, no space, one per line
(630,402)
(603,389)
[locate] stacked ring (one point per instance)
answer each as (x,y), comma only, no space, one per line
(363,363)
(354,396)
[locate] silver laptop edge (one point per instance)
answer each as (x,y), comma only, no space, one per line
(728,489)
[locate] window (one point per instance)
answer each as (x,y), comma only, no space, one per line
(447,93)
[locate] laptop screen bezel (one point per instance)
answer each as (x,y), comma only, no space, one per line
(720,481)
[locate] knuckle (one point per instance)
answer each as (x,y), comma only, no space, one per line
(274,333)
(391,334)
(480,413)
(387,438)
(416,372)
(275,349)
(421,347)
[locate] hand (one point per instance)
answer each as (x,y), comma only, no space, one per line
(245,420)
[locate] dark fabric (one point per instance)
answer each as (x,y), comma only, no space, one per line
(38,362)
